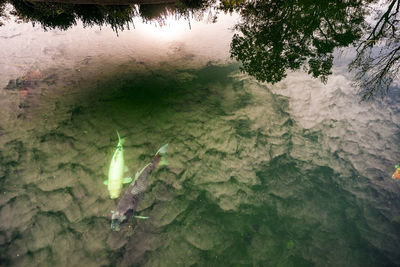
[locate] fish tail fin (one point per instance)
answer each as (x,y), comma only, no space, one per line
(120,140)
(163,152)
(141,217)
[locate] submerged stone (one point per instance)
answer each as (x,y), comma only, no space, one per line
(12,85)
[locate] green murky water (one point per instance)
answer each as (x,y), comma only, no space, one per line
(246,185)
(293,174)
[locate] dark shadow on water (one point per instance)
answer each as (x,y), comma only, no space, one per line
(159,87)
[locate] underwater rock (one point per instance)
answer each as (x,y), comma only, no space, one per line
(39,258)
(12,85)
(16,214)
(93,236)
(176,253)
(165,213)
(396,220)
(19,83)
(43,231)
(205,236)
(185,77)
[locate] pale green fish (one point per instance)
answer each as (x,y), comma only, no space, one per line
(116,171)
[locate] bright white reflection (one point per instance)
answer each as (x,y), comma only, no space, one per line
(171,29)
(29,47)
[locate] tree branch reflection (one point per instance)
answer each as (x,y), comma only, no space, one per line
(377,64)
(273,36)
(276,36)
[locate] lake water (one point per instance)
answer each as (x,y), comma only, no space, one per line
(296,173)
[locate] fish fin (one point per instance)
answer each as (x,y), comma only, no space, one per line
(126,168)
(127,180)
(105,182)
(136,176)
(140,172)
(141,217)
(136,190)
(163,152)
(120,140)
(163,162)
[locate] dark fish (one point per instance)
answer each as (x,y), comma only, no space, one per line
(135,193)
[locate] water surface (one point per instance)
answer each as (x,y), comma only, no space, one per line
(291,174)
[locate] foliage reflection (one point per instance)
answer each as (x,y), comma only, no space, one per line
(272,37)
